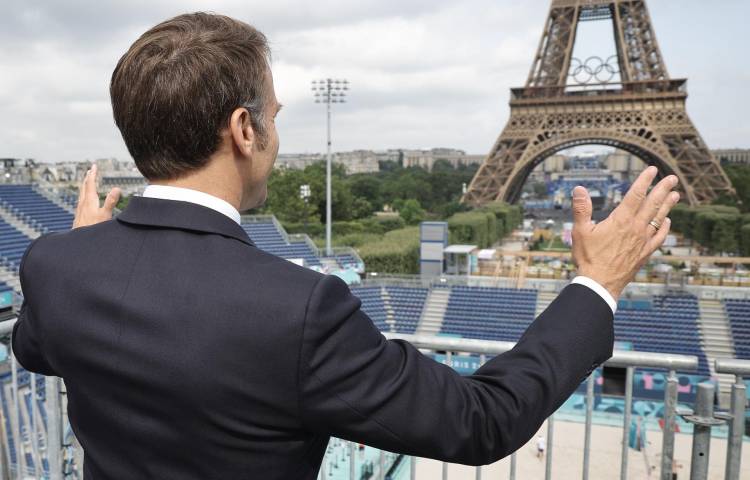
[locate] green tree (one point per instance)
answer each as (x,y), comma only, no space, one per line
(540,189)
(284,199)
(361,208)
(367,186)
(341,197)
(745,240)
(411,212)
(724,234)
(739,175)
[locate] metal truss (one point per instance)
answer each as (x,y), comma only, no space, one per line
(643,112)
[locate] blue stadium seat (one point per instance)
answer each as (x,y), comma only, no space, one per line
(13,244)
(489,313)
(738,314)
(407,304)
(268,238)
(669,326)
(35,209)
(373,305)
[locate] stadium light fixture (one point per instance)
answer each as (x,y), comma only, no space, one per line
(328,91)
(304,194)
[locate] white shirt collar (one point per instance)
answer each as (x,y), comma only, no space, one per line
(170,192)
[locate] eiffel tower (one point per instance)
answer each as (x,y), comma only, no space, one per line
(627,101)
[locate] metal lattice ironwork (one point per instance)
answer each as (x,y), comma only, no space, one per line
(568,102)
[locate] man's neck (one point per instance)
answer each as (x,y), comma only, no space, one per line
(206,184)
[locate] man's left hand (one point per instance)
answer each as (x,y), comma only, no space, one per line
(88,211)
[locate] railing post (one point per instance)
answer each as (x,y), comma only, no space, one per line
(381,465)
(736,429)
(34,424)
(78,455)
(478,474)
(587,432)
(54,428)
(550,434)
(702,420)
(413,469)
(449,362)
(626,423)
(670,404)
(352,469)
(15,419)
(513,466)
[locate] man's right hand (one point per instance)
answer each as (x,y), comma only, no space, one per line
(612,251)
(88,211)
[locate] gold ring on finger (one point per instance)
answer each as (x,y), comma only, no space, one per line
(655,224)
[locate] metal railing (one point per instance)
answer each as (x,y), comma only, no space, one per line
(629,360)
(738,368)
(60,456)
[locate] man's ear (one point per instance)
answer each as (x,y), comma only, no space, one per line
(241,130)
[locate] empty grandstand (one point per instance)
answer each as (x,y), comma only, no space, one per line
(460,309)
(13,244)
(269,235)
(35,209)
(667,324)
(738,313)
(489,313)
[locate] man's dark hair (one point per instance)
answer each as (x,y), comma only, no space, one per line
(175,89)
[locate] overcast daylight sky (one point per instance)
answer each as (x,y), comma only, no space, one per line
(423,73)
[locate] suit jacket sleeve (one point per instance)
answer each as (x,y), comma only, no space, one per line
(356,385)
(27,338)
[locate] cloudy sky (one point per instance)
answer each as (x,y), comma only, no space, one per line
(423,73)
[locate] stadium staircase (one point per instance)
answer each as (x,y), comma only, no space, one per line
(390,314)
(329,263)
(433,313)
(50,195)
(543,299)
(716,339)
(19,225)
(738,314)
(9,279)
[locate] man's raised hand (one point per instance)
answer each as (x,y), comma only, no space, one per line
(612,251)
(88,211)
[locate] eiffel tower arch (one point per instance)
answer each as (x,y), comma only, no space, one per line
(627,101)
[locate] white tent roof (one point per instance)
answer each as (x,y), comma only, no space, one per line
(486,254)
(459,248)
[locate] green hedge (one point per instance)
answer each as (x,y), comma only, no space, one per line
(386,245)
(745,240)
(395,252)
(484,226)
(716,227)
(313,229)
(378,225)
(383,224)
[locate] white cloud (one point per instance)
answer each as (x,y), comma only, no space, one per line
(423,72)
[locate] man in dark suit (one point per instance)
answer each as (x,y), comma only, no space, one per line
(187,352)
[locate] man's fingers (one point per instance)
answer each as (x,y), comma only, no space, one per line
(91,194)
(656,241)
(582,208)
(655,200)
(81,193)
(112,198)
(670,202)
(633,199)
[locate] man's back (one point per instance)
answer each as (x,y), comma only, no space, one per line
(178,347)
(188,353)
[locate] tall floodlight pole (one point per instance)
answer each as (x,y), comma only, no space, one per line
(329,91)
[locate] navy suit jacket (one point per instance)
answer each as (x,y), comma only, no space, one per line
(189,353)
